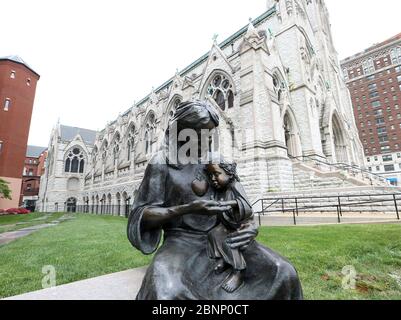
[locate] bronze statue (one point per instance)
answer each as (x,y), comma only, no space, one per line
(179,198)
(229,192)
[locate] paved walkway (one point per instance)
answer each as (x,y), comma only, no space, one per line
(7,237)
(117,286)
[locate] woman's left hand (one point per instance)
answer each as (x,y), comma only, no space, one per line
(243,238)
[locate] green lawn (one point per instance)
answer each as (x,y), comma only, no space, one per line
(91,246)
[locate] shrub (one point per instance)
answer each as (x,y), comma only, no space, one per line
(17,211)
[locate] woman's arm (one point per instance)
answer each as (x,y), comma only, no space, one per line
(156,217)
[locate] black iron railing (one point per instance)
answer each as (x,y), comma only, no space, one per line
(369,203)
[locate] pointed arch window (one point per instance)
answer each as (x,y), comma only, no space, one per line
(130,142)
(104,151)
(116,148)
(221,90)
(75,161)
(149,133)
(278,86)
(174,107)
(94,156)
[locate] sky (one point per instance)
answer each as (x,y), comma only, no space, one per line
(97,57)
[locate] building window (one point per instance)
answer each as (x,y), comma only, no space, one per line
(131,142)
(378,168)
(7,104)
(28,82)
(1,145)
(368,66)
(28,187)
(150,134)
(221,89)
(388,158)
(389,168)
(12,74)
(398,69)
(75,162)
(395,55)
(380,121)
(385,148)
(376,104)
(373,94)
(381,130)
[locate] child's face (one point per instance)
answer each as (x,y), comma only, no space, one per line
(220,179)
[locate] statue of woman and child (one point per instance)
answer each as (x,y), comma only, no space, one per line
(200,208)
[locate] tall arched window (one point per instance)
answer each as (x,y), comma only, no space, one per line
(221,90)
(174,106)
(104,151)
(130,142)
(149,133)
(94,156)
(75,161)
(116,148)
(278,86)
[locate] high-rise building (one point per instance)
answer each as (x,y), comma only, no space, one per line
(374,81)
(17,93)
(33,170)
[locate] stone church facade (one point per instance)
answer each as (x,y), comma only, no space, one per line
(283,104)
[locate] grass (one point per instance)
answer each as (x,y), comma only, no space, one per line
(91,246)
(321,253)
(17,222)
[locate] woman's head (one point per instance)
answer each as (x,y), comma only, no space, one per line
(196,115)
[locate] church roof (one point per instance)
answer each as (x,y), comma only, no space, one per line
(34,151)
(19,60)
(68,133)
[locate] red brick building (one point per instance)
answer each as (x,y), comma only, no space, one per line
(33,170)
(17,93)
(374,80)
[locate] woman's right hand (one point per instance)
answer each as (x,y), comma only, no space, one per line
(207,207)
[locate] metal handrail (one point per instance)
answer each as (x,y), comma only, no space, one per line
(339,165)
(339,205)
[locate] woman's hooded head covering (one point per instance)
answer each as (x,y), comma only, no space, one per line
(195,115)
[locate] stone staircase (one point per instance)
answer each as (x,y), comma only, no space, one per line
(316,174)
(321,187)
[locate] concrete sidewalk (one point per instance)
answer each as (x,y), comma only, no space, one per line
(117,286)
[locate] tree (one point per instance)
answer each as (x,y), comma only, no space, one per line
(5,191)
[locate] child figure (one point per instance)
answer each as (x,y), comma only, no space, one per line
(228,192)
